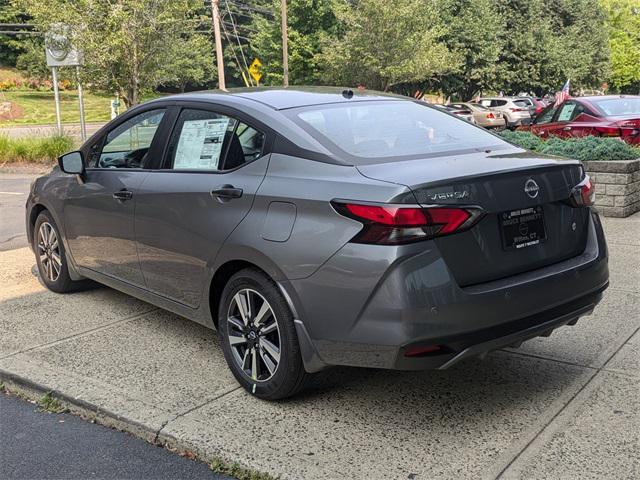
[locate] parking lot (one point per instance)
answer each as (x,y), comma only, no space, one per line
(561,407)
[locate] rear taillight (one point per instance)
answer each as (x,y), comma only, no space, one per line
(608,131)
(490,115)
(395,225)
(630,128)
(584,194)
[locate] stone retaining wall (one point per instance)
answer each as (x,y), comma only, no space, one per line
(617,186)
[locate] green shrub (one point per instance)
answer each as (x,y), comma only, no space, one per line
(585,148)
(523,139)
(34,149)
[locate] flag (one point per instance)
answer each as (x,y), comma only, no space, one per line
(562,95)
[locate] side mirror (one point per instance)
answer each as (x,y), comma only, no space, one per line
(72,163)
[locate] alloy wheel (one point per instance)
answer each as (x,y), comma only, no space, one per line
(49,251)
(254,335)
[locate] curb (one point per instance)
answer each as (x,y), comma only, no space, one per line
(33,391)
(77,406)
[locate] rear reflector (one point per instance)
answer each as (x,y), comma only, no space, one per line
(394,225)
(421,351)
(490,115)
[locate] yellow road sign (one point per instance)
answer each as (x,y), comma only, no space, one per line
(255,69)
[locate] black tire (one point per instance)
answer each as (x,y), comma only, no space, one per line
(289,376)
(62,282)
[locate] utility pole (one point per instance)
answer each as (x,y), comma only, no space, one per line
(216,33)
(285,43)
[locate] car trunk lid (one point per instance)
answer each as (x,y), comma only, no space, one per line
(527,220)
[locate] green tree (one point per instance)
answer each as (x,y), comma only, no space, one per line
(477,35)
(548,42)
(624,40)
(386,44)
(10,45)
(309,22)
(190,63)
(128,45)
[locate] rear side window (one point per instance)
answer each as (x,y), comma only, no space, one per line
(389,129)
(205,140)
(618,106)
(498,103)
(521,103)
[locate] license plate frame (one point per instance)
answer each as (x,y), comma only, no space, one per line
(522,228)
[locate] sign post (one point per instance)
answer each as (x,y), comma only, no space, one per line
(255,70)
(83,126)
(60,53)
(56,95)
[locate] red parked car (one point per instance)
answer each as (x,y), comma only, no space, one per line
(600,116)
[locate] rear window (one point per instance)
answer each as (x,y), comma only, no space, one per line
(388,129)
(522,103)
(618,106)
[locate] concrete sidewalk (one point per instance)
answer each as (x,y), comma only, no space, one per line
(564,407)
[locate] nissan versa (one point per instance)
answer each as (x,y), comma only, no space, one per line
(319,227)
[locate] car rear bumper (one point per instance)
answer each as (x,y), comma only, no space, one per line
(495,123)
(368,305)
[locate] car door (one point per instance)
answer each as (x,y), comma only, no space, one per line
(214,164)
(562,125)
(99,209)
(543,123)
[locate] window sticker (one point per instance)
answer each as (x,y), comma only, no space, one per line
(200,144)
(567,111)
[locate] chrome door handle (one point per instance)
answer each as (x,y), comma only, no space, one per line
(566,129)
(123,195)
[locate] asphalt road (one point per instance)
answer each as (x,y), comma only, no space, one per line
(42,445)
(14,189)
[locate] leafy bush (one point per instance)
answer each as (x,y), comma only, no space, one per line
(34,149)
(585,148)
(523,139)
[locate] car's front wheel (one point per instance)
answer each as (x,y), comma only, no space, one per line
(51,257)
(258,337)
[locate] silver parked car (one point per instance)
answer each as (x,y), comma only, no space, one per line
(319,227)
(516,111)
(483,116)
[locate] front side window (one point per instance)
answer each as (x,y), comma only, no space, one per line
(127,145)
(390,129)
(546,116)
(204,140)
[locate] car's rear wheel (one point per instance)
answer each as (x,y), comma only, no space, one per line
(51,257)
(258,337)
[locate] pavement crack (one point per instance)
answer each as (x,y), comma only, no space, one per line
(596,371)
(192,409)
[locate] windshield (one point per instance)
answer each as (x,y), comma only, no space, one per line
(386,129)
(618,106)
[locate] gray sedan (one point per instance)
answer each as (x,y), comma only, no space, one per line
(320,227)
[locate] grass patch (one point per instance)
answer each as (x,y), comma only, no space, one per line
(585,148)
(43,150)
(39,108)
(236,471)
(48,403)
(2,387)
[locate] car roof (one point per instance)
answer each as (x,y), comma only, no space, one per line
(590,98)
(280,98)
